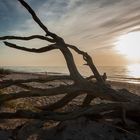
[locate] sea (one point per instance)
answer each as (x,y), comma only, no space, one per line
(128,74)
(119,77)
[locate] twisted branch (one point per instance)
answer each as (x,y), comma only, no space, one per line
(37,20)
(39,93)
(90,63)
(40,50)
(96,111)
(61,103)
(28,38)
(7,83)
(81,85)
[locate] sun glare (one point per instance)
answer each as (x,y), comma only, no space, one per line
(129,45)
(134,70)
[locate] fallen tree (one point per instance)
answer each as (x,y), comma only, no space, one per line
(124,102)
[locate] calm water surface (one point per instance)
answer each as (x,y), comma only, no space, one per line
(130,73)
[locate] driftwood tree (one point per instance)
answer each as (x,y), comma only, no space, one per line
(123,103)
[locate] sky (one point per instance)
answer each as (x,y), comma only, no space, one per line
(92,25)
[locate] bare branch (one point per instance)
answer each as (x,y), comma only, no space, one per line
(124,102)
(28,87)
(45,115)
(65,51)
(94,90)
(37,20)
(62,102)
(95,111)
(88,100)
(7,83)
(28,38)
(40,50)
(89,61)
(63,48)
(38,93)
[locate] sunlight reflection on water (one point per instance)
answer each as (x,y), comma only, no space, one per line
(129,74)
(133,70)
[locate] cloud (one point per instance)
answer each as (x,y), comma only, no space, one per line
(106,3)
(11,16)
(76,18)
(89,24)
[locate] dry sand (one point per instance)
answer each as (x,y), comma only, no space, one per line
(81,129)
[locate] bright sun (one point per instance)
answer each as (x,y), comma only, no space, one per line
(129,45)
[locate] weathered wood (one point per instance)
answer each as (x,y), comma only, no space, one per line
(88,100)
(61,103)
(81,85)
(65,51)
(63,48)
(28,87)
(36,19)
(94,90)
(90,63)
(39,92)
(40,50)
(27,38)
(76,76)
(96,111)
(7,83)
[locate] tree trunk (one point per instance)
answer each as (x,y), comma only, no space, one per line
(71,65)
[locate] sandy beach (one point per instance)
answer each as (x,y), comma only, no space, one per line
(88,88)
(7,126)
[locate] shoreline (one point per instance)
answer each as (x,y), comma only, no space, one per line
(132,87)
(119,73)
(10,126)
